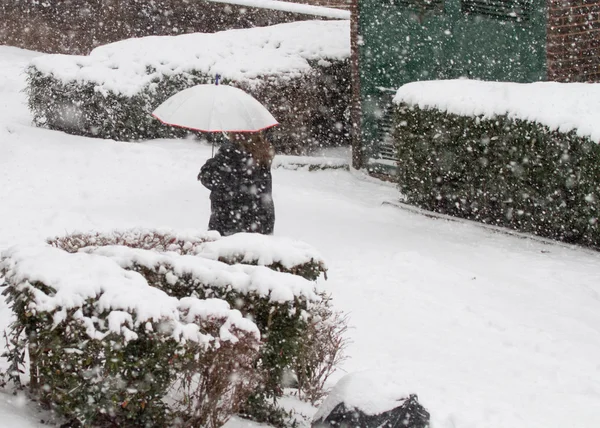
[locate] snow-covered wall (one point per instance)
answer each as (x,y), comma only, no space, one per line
(286,6)
(559,106)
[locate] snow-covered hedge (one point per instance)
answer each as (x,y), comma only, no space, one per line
(298,70)
(524,156)
(106,347)
(275,252)
(148,325)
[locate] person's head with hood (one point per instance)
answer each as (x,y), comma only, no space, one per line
(254,143)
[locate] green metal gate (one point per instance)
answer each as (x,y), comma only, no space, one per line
(408,40)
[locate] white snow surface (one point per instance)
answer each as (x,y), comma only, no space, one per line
(560,106)
(372,392)
(490,330)
(285,6)
(244,55)
(262,250)
(279,287)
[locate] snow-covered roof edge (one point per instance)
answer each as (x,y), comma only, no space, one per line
(283,6)
(563,107)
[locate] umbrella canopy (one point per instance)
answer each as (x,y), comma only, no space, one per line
(215,108)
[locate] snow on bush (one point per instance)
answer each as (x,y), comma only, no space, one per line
(310,163)
(562,107)
(277,253)
(105,346)
(181,242)
(129,66)
(524,156)
(148,325)
(185,275)
(111,92)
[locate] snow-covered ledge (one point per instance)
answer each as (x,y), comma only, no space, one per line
(284,6)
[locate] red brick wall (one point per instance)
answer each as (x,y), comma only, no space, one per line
(77,26)
(574,40)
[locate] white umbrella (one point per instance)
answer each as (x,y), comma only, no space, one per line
(215,108)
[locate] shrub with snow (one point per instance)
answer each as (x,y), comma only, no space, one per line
(160,240)
(524,156)
(300,71)
(277,253)
(105,347)
(320,351)
(149,326)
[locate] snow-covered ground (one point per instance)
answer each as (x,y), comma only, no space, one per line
(491,331)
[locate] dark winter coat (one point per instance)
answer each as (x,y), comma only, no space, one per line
(241,192)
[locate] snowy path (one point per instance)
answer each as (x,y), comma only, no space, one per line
(491,331)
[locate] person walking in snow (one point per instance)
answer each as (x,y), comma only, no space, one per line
(239,178)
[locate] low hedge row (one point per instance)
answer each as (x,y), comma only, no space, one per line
(147,327)
(106,348)
(278,314)
(501,171)
(276,253)
(312,108)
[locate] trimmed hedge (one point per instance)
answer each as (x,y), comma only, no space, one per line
(241,248)
(132,370)
(100,360)
(500,171)
(281,322)
(312,109)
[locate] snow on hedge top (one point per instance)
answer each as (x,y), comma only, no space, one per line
(262,250)
(372,391)
(560,106)
(74,278)
(279,287)
(285,6)
(161,239)
(250,248)
(127,66)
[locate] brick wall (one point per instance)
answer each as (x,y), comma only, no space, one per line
(574,40)
(77,26)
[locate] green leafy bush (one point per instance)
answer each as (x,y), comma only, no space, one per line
(500,171)
(139,370)
(78,108)
(106,348)
(256,291)
(299,104)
